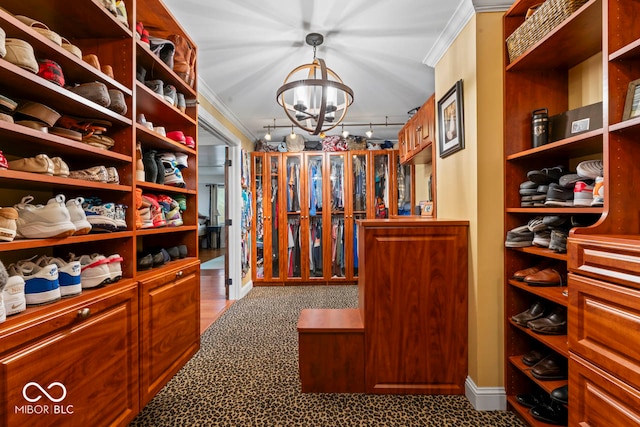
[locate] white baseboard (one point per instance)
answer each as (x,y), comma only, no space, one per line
(244,290)
(485,398)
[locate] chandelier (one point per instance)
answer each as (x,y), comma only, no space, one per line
(313,96)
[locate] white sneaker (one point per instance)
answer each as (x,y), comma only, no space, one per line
(598,192)
(78,217)
(41,222)
(182,160)
(41,284)
(94,270)
(590,169)
(115,267)
(172,174)
(13,295)
(68,274)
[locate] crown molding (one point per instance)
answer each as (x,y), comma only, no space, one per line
(462,15)
(205,91)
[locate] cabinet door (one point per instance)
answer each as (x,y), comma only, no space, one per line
(83,374)
(260,221)
(170,326)
(294,196)
(314,214)
(380,185)
(404,188)
(338,206)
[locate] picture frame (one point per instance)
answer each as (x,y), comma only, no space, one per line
(451,121)
(632,101)
(426,208)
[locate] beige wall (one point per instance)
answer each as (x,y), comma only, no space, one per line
(247,144)
(470,184)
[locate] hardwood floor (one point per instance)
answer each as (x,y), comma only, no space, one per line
(213,301)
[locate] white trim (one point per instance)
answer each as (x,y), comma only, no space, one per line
(460,18)
(235,209)
(485,398)
(462,15)
(222,108)
(244,290)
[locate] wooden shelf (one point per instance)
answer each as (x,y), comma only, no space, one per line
(556,342)
(577,146)
(547,386)
(551,293)
(523,412)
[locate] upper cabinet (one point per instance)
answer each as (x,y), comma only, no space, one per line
(417,138)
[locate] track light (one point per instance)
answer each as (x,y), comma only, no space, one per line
(345,133)
(268,135)
(293,134)
(369,133)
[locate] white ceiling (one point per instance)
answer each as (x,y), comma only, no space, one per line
(246,48)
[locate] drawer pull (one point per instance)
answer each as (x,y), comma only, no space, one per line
(179,273)
(84,313)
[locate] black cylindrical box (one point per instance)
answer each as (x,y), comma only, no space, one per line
(539,127)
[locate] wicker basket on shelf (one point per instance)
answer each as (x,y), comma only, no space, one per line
(545,18)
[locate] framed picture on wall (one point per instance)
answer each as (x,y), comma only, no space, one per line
(451,121)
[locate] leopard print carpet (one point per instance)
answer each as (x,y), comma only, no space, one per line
(246,374)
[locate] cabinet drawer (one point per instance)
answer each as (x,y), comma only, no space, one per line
(85,374)
(599,399)
(601,317)
(613,260)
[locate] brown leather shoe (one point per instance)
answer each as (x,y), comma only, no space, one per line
(536,311)
(553,324)
(547,277)
(532,357)
(521,274)
(551,367)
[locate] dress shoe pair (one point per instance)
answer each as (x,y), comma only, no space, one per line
(551,367)
(534,312)
(552,413)
(521,274)
(555,323)
(540,275)
(533,357)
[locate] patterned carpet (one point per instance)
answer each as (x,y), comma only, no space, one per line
(246,374)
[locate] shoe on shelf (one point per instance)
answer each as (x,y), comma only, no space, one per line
(553,221)
(41,284)
(8,225)
(150,166)
(60,168)
(558,242)
(536,224)
(546,277)
(569,180)
(546,175)
(590,169)
(145,261)
(13,295)
(115,267)
(182,201)
(68,274)
(174,217)
(155,211)
(161,170)
(78,217)
(177,136)
(172,174)
(100,215)
(551,367)
(551,413)
(182,160)
(183,251)
(94,270)
(519,237)
(157,86)
(559,196)
(582,194)
(174,253)
(598,192)
(120,217)
(555,323)
(536,311)
(521,274)
(170,94)
(560,394)
(139,163)
(38,164)
(3,160)
(93,174)
(112,175)
(532,357)
(181,103)
(44,221)
(121,13)
(542,238)
(189,141)
(530,400)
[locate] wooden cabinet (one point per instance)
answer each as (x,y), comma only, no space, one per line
(102,353)
(307,204)
(417,138)
(409,332)
(169,325)
(75,364)
(602,259)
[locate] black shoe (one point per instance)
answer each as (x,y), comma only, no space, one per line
(532,357)
(531,400)
(558,240)
(145,262)
(174,253)
(552,413)
(150,166)
(141,73)
(561,394)
(183,251)
(161,171)
(536,311)
(158,258)
(546,175)
(559,196)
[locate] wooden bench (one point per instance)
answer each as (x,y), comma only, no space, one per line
(331,350)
